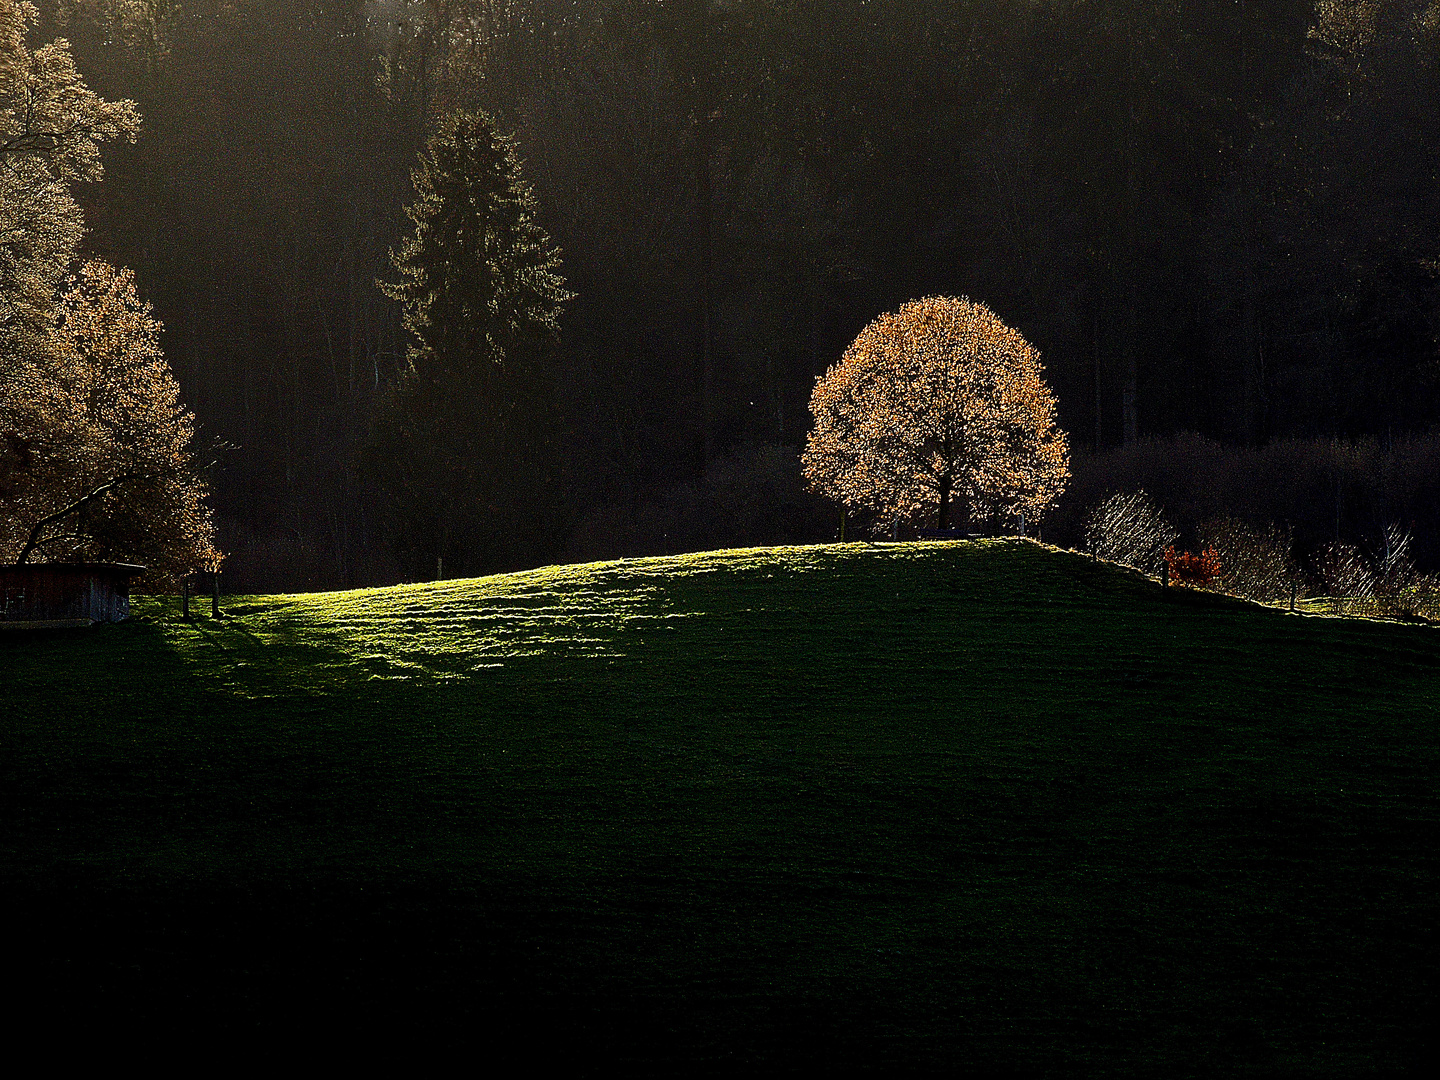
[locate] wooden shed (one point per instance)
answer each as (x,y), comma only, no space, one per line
(64,594)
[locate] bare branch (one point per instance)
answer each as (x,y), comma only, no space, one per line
(33,541)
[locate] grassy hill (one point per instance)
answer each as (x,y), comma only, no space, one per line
(915,806)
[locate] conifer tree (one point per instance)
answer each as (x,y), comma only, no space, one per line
(481,283)
(465,448)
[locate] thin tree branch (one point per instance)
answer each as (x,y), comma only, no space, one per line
(51,540)
(34,539)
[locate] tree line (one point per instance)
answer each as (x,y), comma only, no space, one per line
(1206,216)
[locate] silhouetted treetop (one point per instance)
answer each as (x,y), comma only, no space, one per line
(480,277)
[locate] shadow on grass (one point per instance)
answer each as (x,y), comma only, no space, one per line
(900,808)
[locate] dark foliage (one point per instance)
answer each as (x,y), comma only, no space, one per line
(464,446)
(480,284)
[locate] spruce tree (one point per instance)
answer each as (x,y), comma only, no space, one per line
(481,283)
(465,448)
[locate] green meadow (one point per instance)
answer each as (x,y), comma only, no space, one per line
(985,807)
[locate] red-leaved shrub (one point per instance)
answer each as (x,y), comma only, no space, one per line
(1187,568)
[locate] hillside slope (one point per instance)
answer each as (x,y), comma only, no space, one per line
(914,806)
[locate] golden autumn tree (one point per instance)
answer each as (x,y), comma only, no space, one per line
(95,445)
(937,403)
(51,129)
(109,472)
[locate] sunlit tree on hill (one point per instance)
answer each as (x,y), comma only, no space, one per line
(95,445)
(936,404)
(109,473)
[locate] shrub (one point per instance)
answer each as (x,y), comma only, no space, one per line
(1324,489)
(1130,528)
(1253,563)
(1400,589)
(1420,598)
(1342,573)
(1386,583)
(1392,568)
(1187,568)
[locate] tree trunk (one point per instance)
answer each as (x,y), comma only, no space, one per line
(1130,391)
(1098,413)
(943,521)
(704,225)
(1130,397)
(707,358)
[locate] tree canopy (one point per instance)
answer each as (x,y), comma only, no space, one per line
(95,445)
(480,277)
(937,402)
(107,468)
(51,129)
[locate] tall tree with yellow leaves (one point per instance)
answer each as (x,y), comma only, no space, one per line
(95,446)
(935,404)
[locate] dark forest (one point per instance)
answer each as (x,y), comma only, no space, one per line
(1215,220)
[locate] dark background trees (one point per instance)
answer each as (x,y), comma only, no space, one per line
(1207,216)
